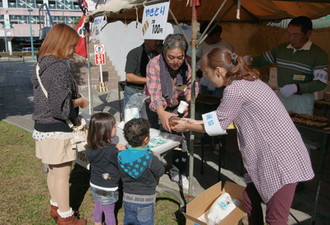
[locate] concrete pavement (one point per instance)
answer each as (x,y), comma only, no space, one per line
(16,107)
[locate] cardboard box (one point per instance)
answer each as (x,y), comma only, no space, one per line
(204,201)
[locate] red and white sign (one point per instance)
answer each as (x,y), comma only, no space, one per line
(99,54)
(99,59)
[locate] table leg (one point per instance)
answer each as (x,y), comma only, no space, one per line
(222,151)
(202,155)
(323,150)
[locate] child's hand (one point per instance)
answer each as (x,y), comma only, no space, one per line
(121,147)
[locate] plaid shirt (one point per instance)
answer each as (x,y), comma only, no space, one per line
(272,149)
(154,90)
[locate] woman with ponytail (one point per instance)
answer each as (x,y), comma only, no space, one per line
(272,150)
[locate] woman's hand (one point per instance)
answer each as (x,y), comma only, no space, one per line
(181,126)
(187,124)
(84,103)
(121,147)
(192,121)
(81,102)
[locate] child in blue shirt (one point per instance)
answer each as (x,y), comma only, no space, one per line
(140,171)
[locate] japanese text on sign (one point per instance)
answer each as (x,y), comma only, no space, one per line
(153,12)
(99,54)
(154,21)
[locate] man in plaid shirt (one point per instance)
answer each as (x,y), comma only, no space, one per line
(168,82)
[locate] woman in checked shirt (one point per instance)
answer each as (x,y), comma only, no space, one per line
(273,152)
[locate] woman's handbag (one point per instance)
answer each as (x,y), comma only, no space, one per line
(79,132)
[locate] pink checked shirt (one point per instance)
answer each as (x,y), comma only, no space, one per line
(272,149)
(154,89)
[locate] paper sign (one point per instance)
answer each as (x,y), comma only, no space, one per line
(154,21)
(99,54)
(96,28)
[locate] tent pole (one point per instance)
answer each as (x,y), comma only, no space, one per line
(207,30)
(177,23)
(90,97)
(194,26)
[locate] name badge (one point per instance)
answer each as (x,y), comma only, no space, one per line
(299,77)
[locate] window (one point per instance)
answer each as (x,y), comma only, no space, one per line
(76,6)
(51,4)
(59,4)
(18,19)
(29,49)
(22,20)
(31,3)
(13,19)
(40,19)
(39,3)
(68,4)
(58,19)
(21,4)
(12,4)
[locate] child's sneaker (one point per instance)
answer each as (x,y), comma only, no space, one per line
(174,174)
(184,182)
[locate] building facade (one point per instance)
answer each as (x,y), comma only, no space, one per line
(19,17)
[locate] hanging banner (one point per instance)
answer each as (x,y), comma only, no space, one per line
(86,5)
(96,28)
(154,21)
(81,46)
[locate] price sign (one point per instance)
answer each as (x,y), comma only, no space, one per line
(154,21)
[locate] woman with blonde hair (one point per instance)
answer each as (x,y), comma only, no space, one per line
(272,150)
(56,101)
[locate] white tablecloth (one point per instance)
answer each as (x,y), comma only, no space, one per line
(160,142)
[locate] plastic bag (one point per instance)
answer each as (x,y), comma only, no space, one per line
(135,107)
(221,207)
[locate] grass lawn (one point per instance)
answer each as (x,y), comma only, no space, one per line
(24,197)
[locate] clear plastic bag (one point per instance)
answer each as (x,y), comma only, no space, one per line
(135,107)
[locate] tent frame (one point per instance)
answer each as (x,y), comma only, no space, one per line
(194,44)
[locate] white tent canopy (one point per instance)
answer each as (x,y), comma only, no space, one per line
(250,10)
